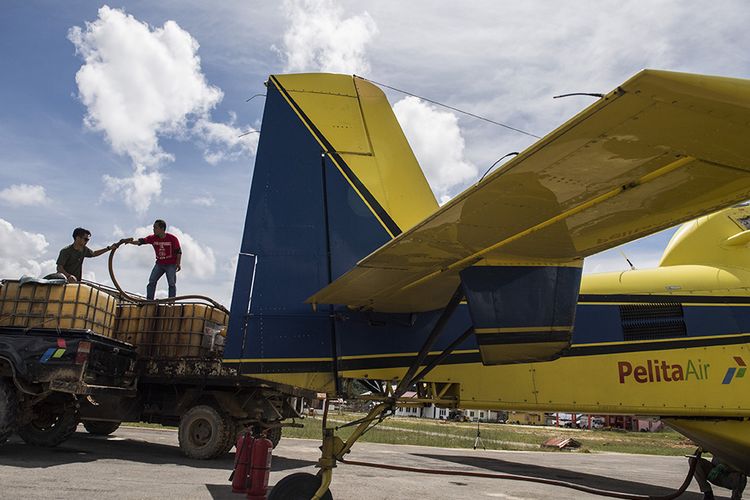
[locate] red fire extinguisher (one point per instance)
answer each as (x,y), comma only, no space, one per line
(260,468)
(241,475)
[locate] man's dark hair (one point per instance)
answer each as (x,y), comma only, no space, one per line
(79,231)
(161,223)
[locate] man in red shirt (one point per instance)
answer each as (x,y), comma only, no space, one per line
(168,257)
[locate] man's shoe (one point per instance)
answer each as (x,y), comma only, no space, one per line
(708,496)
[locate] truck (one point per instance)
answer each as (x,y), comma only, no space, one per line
(209,403)
(44,374)
(87,353)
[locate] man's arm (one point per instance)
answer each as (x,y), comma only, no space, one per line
(177,252)
(60,269)
(135,241)
(68,276)
(97,253)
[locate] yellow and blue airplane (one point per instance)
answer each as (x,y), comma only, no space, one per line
(349,269)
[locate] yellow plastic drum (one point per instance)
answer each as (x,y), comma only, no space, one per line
(48,306)
(172,330)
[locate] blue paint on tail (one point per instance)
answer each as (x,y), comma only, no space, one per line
(305,227)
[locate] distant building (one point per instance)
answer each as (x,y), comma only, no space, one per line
(526,417)
(433,412)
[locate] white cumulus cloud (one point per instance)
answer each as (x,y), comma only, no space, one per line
(137,190)
(224,141)
(21,252)
(24,194)
(321,38)
(436,139)
(139,84)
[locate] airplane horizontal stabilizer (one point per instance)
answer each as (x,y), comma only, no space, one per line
(660,149)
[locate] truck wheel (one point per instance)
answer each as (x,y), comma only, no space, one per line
(8,409)
(274,435)
(203,432)
(232,435)
(101,427)
(50,428)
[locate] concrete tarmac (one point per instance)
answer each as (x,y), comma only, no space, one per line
(138,463)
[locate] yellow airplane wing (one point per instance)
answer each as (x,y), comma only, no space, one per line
(661,149)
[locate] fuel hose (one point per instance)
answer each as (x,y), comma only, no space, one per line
(137,299)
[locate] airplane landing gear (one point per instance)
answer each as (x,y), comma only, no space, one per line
(334,448)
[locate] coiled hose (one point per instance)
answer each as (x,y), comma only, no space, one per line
(139,300)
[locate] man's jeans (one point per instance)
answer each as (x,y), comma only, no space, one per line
(171,271)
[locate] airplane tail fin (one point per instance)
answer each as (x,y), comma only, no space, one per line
(334,179)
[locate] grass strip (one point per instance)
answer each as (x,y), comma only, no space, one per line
(422,432)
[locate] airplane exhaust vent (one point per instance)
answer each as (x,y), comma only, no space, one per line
(652,321)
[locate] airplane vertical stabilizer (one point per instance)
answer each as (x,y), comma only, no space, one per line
(334,179)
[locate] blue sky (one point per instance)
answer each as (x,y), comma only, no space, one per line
(124,144)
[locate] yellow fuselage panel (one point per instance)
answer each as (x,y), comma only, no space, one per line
(719,239)
(708,256)
(672,280)
(675,382)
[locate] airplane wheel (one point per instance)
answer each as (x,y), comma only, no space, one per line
(298,486)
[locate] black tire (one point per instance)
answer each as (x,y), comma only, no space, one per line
(298,486)
(274,435)
(232,436)
(50,428)
(8,409)
(101,427)
(203,432)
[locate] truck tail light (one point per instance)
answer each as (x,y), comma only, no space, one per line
(84,348)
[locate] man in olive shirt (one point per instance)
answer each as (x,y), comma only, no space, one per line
(70,260)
